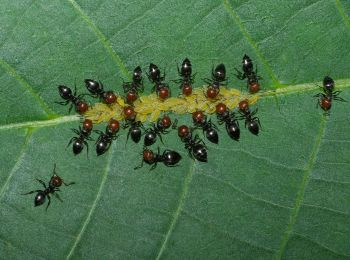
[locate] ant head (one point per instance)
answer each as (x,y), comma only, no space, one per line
(56,181)
(148,156)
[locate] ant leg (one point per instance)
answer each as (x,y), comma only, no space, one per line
(160,137)
(71,141)
(153,166)
(240,75)
(54,169)
(58,197)
(339,99)
(31,192)
(258,120)
(68,184)
(87,149)
(48,204)
(63,103)
(140,166)
(208,81)
(43,183)
(174,124)
(70,108)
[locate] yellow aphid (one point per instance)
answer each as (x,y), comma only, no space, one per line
(151,107)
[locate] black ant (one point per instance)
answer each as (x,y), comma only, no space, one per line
(53,186)
(104,141)
(230,120)
(195,146)
(131,89)
(249,74)
(160,128)
(186,77)
(218,78)
(66,93)
(169,158)
(83,135)
(200,121)
(96,89)
(134,129)
(160,87)
(253,122)
(325,98)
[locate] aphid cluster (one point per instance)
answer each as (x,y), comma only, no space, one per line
(188,134)
(163,125)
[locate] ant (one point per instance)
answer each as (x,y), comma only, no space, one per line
(104,141)
(53,186)
(195,146)
(200,121)
(134,129)
(169,158)
(252,121)
(83,135)
(66,93)
(325,98)
(96,89)
(186,77)
(218,78)
(160,128)
(132,88)
(249,74)
(230,120)
(160,87)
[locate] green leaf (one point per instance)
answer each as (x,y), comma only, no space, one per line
(283,194)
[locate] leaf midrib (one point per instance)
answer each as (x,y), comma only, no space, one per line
(290,89)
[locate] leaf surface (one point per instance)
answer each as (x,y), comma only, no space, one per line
(284,194)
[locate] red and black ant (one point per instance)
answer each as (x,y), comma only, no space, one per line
(134,129)
(161,88)
(160,128)
(195,146)
(131,89)
(66,93)
(218,78)
(169,158)
(186,77)
(83,135)
(104,141)
(53,186)
(230,120)
(249,74)
(96,89)
(252,121)
(325,98)
(210,129)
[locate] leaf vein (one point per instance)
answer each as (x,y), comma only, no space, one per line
(245,33)
(18,162)
(92,209)
(102,38)
(252,197)
(320,245)
(342,13)
(303,185)
(176,215)
(13,73)
(215,227)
